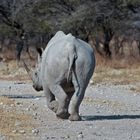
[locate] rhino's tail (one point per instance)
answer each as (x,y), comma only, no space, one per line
(72,57)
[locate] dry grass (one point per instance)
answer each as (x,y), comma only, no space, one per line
(6,101)
(11,71)
(116,71)
(12,123)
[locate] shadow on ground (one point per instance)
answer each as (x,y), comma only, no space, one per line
(109,117)
(22,96)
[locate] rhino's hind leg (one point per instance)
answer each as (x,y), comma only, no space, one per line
(53,105)
(63,115)
(76,101)
(51,102)
(63,101)
(80,86)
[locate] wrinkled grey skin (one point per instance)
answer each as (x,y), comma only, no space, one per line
(63,71)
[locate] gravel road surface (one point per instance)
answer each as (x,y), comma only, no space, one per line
(109,112)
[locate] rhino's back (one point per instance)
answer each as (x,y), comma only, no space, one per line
(55,61)
(58,36)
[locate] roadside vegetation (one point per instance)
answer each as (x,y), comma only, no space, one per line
(112,27)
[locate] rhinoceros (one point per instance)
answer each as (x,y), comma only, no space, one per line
(63,72)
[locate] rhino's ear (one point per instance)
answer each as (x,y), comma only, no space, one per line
(40,51)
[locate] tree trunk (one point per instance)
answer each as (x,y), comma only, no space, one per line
(107,49)
(108,36)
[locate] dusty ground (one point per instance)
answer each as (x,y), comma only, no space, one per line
(110,109)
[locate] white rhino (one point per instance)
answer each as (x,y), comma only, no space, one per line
(63,72)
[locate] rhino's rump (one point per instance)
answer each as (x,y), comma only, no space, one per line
(56,63)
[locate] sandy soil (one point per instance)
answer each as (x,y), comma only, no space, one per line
(109,112)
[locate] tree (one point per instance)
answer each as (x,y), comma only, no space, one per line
(85,19)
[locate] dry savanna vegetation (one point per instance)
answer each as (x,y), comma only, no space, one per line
(118,71)
(13,124)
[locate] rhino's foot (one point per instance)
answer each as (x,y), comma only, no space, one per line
(63,114)
(53,106)
(74,117)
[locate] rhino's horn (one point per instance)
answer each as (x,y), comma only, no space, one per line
(28,70)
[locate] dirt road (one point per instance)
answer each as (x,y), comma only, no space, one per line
(109,112)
